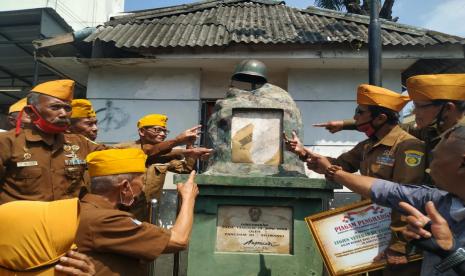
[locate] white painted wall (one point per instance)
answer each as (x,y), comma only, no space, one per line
(135,92)
(78,14)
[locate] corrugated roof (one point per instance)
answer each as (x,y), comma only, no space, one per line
(221,23)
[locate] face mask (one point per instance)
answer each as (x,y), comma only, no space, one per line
(367,128)
(127,204)
(45,126)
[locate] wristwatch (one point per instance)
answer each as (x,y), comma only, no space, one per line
(454,259)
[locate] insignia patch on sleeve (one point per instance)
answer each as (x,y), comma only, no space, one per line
(413,157)
(136,222)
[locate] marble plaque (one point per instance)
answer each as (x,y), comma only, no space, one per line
(254,229)
(256,136)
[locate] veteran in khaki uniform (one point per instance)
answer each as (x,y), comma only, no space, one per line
(39,161)
(83,119)
(389,153)
(439,104)
(153,130)
(116,242)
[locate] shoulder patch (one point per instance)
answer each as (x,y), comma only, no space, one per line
(413,157)
(136,222)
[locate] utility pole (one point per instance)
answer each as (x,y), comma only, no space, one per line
(375,45)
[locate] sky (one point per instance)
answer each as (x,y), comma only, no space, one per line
(446,16)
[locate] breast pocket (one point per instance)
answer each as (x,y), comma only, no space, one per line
(27,180)
(381,171)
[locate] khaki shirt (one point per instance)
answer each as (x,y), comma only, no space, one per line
(431,136)
(117,243)
(397,157)
(37,166)
(155,175)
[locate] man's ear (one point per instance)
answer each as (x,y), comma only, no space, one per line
(30,113)
(124,186)
(141,132)
(380,119)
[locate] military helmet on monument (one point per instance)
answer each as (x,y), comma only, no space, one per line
(250,70)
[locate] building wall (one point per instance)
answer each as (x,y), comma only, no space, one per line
(123,95)
(78,14)
(330,94)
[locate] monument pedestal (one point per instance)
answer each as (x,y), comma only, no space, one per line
(255,225)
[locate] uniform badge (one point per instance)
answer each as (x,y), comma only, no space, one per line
(27,156)
(413,157)
(26,164)
(74,159)
(386,160)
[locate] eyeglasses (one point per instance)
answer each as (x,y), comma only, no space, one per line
(158,130)
(358,111)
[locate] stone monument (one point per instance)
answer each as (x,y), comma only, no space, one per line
(254,195)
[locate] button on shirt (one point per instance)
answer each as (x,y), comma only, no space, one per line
(389,194)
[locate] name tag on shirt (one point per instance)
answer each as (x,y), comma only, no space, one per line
(27,164)
(385,160)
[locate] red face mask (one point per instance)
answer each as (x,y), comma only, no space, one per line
(367,128)
(45,126)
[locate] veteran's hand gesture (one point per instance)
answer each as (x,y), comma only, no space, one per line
(416,222)
(331,126)
(189,135)
(188,190)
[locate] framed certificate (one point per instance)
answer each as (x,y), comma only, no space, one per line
(350,237)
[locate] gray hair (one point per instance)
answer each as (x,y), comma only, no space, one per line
(33,98)
(104,184)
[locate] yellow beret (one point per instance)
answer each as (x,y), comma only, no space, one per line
(152,120)
(18,106)
(61,89)
(82,108)
(35,234)
(116,161)
(437,87)
(378,96)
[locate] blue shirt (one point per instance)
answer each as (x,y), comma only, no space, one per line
(389,194)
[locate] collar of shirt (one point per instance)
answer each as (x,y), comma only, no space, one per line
(457,209)
(390,138)
(35,135)
(97,201)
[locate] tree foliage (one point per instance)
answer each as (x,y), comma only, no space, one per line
(358,7)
